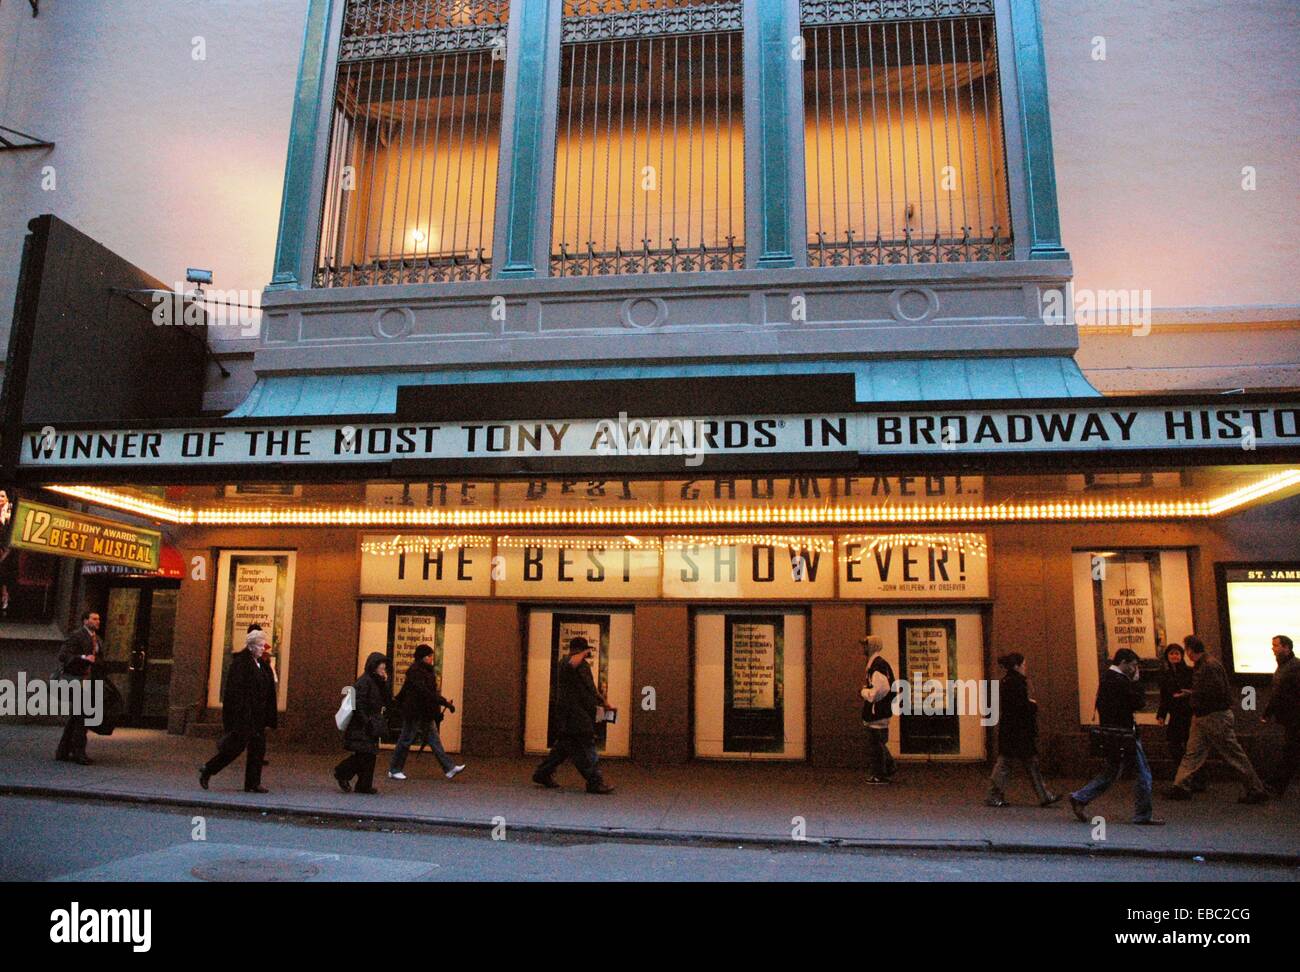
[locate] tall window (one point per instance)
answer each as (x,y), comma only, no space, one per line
(903,134)
(649,161)
(411,185)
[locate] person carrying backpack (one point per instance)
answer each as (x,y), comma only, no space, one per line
(877,709)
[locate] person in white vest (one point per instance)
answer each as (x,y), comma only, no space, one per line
(877,709)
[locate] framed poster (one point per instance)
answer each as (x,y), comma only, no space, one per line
(1257,602)
(1139,599)
(750,692)
(253,586)
(396,630)
(550,629)
(753,714)
(928,651)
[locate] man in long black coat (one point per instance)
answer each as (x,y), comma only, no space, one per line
(249,709)
(77,659)
(575,711)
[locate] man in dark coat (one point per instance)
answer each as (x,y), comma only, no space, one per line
(1017,733)
(422,706)
(575,711)
(1119,696)
(248,710)
(364,729)
(1175,710)
(1284,709)
(77,660)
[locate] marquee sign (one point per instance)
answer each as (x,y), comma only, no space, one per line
(1102,426)
(64,533)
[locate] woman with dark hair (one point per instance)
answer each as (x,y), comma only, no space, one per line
(1017,733)
(1175,710)
(361,737)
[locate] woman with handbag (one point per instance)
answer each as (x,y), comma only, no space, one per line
(364,728)
(1017,733)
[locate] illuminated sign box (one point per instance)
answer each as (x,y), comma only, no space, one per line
(64,533)
(1258,602)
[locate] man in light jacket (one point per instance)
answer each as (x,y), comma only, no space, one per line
(877,709)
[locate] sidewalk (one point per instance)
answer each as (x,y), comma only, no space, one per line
(932,806)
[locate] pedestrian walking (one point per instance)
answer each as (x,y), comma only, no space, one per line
(577,699)
(1283,709)
(361,737)
(877,709)
(248,710)
(77,660)
(1017,733)
(1213,728)
(1175,711)
(422,705)
(1119,696)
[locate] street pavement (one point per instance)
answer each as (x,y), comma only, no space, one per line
(120,842)
(930,807)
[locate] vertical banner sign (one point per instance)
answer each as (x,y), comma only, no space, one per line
(255,594)
(408,628)
(1128,604)
(927,659)
(753,712)
(564,628)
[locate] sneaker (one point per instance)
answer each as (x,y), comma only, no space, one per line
(1149,822)
(600,788)
(546,781)
(451,773)
(397,776)
(1051,801)
(1078,809)
(877,781)
(1260,796)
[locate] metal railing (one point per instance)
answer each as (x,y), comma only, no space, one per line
(903,135)
(649,160)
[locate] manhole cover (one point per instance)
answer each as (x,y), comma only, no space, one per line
(265,869)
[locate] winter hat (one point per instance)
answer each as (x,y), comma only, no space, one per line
(423,652)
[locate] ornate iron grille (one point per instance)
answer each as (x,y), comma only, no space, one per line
(411,181)
(392,28)
(649,162)
(813,12)
(903,140)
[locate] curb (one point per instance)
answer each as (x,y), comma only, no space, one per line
(679,837)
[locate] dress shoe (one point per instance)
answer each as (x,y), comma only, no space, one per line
(368,791)
(600,788)
(204,777)
(344,785)
(546,781)
(256,789)
(1253,798)
(877,781)
(996,802)
(1177,793)
(81,759)
(1079,810)
(1149,822)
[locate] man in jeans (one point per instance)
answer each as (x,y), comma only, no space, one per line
(1119,695)
(1212,727)
(422,707)
(877,709)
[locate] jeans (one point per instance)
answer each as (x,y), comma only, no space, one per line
(580,749)
(228,750)
(1002,772)
(1136,758)
(413,729)
(1214,733)
(880,759)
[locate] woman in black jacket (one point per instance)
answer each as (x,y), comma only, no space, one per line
(1017,733)
(1175,711)
(361,737)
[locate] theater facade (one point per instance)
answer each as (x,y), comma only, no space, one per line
(719,333)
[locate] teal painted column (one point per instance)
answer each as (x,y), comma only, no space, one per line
(1039,167)
(526,170)
(299,171)
(774,183)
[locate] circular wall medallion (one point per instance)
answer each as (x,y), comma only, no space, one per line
(643,312)
(913,304)
(393,322)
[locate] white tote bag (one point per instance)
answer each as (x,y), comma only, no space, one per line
(349,705)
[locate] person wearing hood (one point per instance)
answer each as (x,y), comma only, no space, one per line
(361,737)
(248,710)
